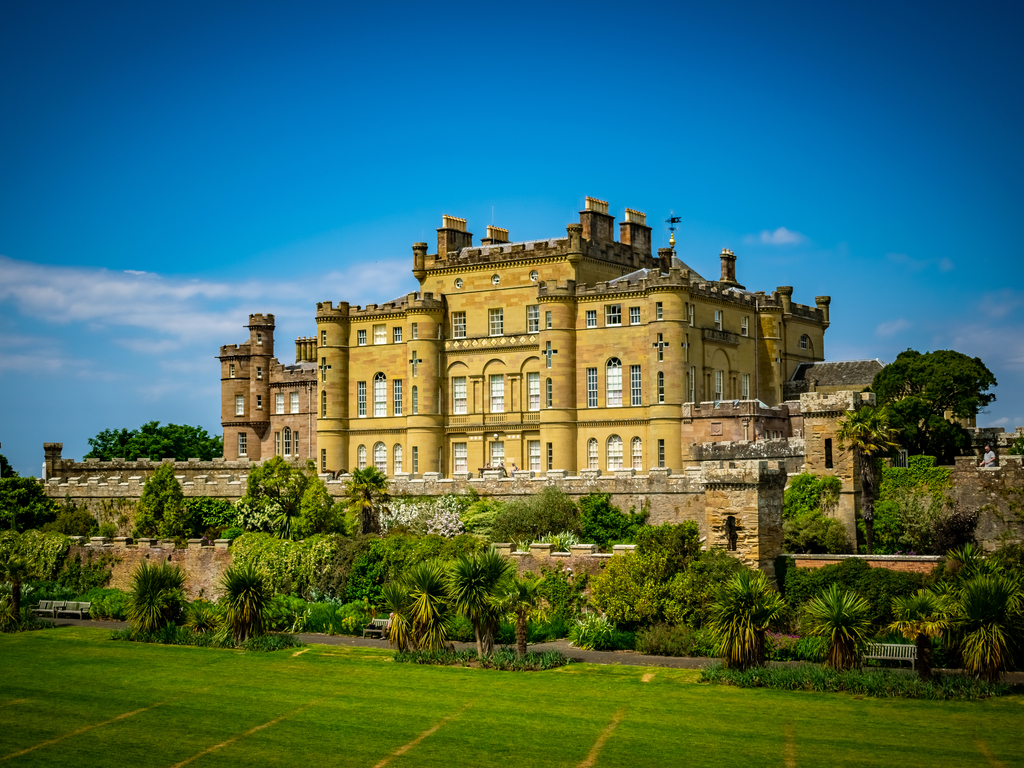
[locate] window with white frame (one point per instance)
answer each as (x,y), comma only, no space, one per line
(550,448)
(287,442)
(591,387)
(295,402)
(259,402)
(241,444)
(397,460)
(661,387)
(415,458)
(718,319)
(396,398)
(361,337)
(259,371)
(745,386)
(689,312)
(459,395)
(414,330)
(547,319)
(719,380)
(613,383)
(593,460)
(496,321)
(745,326)
(533,449)
(277,443)
(415,399)
(497,454)
(360,398)
(532,319)
(323,338)
(614,453)
(279,402)
(637,453)
(635,386)
(396,334)
(659,310)
(634,315)
(461,457)
(692,381)
(380,457)
(361,457)
(323,404)
(259,339)
(661,347)
(661,452)
(613,314)
(323,459)
(458,325)
(591,318)
(533,391)
(239,405)
(380,395)
(231,370)
(295,443)
(548,394)
(805,342)
(497,393)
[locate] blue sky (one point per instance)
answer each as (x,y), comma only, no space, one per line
(166,169)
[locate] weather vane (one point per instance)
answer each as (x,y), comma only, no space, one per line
(672,221)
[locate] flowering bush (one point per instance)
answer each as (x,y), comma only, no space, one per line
(441,516)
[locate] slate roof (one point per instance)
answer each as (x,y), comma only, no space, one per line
(843,373)
(638,275)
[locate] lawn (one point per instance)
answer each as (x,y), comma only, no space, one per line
(71,696)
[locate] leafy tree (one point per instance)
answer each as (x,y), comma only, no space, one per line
(6,470)
(550,511)
(691,593)
(273,497)
(472,582)
(806,525)
(867,434)
(920,617)
(844,619)
(16,570)
(173,441)
(920,389)
(212,513)
(320,513)
(24,504)
(73,520)
(1016,448)
(519,596)
(161,508)
(367,490)
(746,606)
(603,523)
(679,543)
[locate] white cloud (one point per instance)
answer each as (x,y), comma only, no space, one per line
(892,327)
(780,236)
(1001,303)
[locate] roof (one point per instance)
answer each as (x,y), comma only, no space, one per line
(842,373)
(641,274)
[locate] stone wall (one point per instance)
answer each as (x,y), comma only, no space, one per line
(906,563)
(584,558)
(997,493)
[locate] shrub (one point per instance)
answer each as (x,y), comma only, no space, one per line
(840,617)
(562,542)
(502,660)
(532,517)
(633,588)
(202,617)
(293,567)
(806,525)
(691,593)
(334,619)
(157,598)
(247,596)
(283,612)
(106,603)
(73,520)
(679,543)
(795,648)
(563,592)
(604,524)
(595,633)
(161,508)
(675,640)
(954,530)
(95,573)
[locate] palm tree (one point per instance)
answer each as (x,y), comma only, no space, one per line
(745,607)
(246,598)
(157,597)
(16,571)
(472,581)
(520,596)
(428,604)
(843,618)
(986,618)
(920,617)
(367,491)
(400,630)
(867,433)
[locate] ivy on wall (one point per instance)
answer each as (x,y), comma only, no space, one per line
(920,476)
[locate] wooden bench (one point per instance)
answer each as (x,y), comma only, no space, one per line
(45,607)
(892,652)
(377,628)
(81,610)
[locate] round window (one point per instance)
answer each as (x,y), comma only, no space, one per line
(458,282)
(495,279)
(534,275)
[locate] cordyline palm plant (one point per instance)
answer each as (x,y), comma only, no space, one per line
(746,605)
(16,571)
(987,618)
(400,630)
(867,434)
(247,595)
(428,605)
(920,617)
(157,597)
(367,491)
(472,582)
(518,596)
(843,618)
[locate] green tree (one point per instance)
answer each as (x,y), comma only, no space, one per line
(1016,448)
(320,513)
(986,621)
(519,596)
(550,511)
(73,520)
(428,604)
(472,581)
(746,606)
(603,523)
(6,470)
(17,571)
(921,389)
(920,617)
(273,497)
(161,508)
(24,504)
(173,441)
(247,596)
(843,618)
(367,490)
(867,434)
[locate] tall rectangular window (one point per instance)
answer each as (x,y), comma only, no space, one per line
(719,378)
(547,319)
(661,452)
(661,387)
(549,394)
(745,386)
(259,372)
(287,442)
(613,314)
(686,349)
(361,398)
(231,370)
(497,393)
(380,334)
(396,397)
(415,401)
(323,338)
(635,387)
(497,454)
(239,405)
(415,457)
(380,395)
(277,443)
(396,334)
(659,310)
(323,459)
(661,347)
(718,319)
(551,455)
(533,391)
(591,318)
(689,312)
(591,387)
(745,326)
(295,402)
(461,457)
(532,319)
(259,402)
(279,402)
(459,399)
(361,337)
(414,330)
(634,315)
(458,325)
(533,447)
(295,442)
(828,453)
(496,321)
(323,403)
(241,444)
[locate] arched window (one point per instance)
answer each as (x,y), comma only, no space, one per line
(805,342)
(397,464)
(592,458)
(637,452)
(287,441)
(613,383)
(614,453)
(380,395)
(323,404)
(380,457)
(361,457)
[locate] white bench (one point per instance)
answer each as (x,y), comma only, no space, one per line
(377,628)
(892,652)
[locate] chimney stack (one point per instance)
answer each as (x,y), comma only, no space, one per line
(452,236)
(822,303)
(634,231)
(597,224)
(728,268)
(665,259)
(786,294)
(495,236)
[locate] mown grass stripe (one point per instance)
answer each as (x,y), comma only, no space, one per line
(983,748)
(601,739)
(427,733)
(789,748)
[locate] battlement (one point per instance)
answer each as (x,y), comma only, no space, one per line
(553,289)
(259,320)
(713,290)
(819,403)
(235,350)
(499,251)
(733,408)
(326,311)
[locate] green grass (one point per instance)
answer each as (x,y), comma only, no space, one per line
(335,705)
